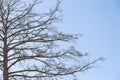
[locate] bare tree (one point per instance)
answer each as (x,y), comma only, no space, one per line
(28,41)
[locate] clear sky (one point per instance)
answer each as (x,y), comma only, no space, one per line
(99,23)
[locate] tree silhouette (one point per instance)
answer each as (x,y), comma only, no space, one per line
(29,49)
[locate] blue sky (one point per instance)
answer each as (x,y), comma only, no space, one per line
(99,23)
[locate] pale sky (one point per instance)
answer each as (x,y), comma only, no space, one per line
(99,23)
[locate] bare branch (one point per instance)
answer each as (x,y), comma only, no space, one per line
(27,35)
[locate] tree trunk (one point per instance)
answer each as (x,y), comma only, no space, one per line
(5,59)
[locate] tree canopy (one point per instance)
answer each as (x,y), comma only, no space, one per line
(29,49)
